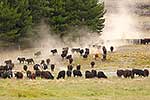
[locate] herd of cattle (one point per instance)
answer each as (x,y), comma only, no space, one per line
(41,69)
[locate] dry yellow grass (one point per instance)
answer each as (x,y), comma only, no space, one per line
(112,88)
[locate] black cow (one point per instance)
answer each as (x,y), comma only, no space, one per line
(120,73)
(65,49)
(48,61)
(89,74)
(36,67)
(69,73)
(63,55)
(65,52)
(145,41)
(111,48)
(85,55)
(61,74)
(92,64)
(30,61)
(87,51)
(6,74)
(2,67)
(9,66)
(38,73)
(146,73)
(77,73)
(46,75)
(19,75)
(42,62)
(70,67)
(69,57)
(78,67)
(54,51)
(8,62)
(104,52)
(94,73)
(21,60)
(70,60)
(81,52)
(52,67)
(45,66)
(28,73)
(77,50)
(101,75)
(25,67)
(31,75)
(128,73)
(138,72)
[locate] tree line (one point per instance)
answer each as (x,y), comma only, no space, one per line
(18,17)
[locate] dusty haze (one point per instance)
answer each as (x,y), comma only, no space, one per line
(121,23)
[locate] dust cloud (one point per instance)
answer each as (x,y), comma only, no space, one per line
(120,22)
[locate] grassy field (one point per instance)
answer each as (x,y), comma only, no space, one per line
(113,88)
(76,89)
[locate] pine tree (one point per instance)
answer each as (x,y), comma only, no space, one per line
(39,9)
(8,19)
(15,19)
(76,13)
(58,16)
